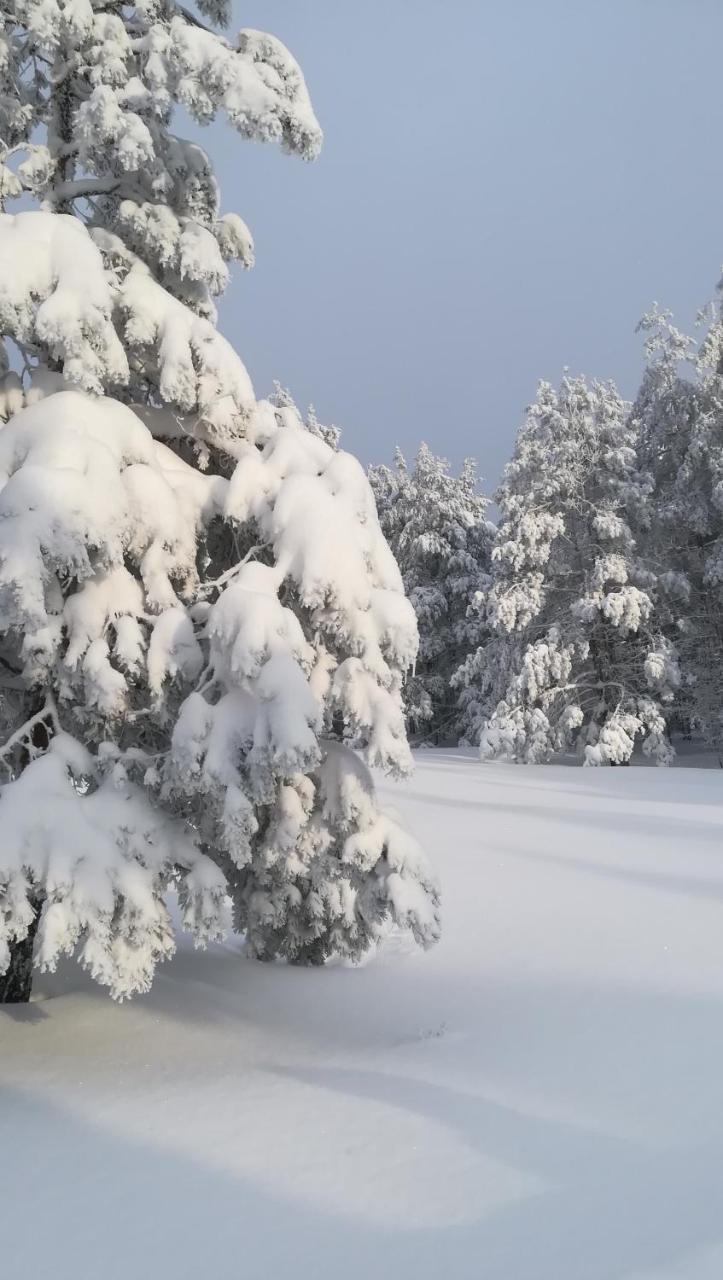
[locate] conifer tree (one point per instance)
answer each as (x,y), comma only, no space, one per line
(576,659)
(203,633)
(678,418)
(436,524)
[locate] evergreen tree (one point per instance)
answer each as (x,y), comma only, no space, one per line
(576,659)
(678,417)
(202,630)
(436,525)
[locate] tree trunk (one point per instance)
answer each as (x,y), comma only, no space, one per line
(16,983)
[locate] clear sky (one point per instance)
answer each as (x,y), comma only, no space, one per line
(506,185)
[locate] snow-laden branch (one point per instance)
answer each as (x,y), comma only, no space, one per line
(24,735)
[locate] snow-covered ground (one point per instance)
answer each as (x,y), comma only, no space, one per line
(541,1098)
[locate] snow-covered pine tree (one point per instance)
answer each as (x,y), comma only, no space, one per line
(576,659)
(436,524)
(678,416)
(203,633)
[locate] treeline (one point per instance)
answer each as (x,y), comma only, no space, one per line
(590,618)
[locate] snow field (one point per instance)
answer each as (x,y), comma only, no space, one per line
(538,1098)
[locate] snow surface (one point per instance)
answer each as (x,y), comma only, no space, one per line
(539,1098)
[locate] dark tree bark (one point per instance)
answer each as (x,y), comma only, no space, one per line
(16,984)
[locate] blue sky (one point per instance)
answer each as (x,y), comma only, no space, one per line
(505,187)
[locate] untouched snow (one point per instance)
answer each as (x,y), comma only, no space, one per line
(540,1098)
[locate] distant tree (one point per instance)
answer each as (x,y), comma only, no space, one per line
(437,526)
(575,659)
(678,419)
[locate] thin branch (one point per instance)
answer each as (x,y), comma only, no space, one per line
(194,21)
(23,735)
(81,188)
(217,583)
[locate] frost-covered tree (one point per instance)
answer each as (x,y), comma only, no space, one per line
(576,660)
(678,417)
(436,524)
(203,633)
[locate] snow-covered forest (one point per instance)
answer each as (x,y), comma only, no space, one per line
(260,708)
(197,679)
(589,620)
